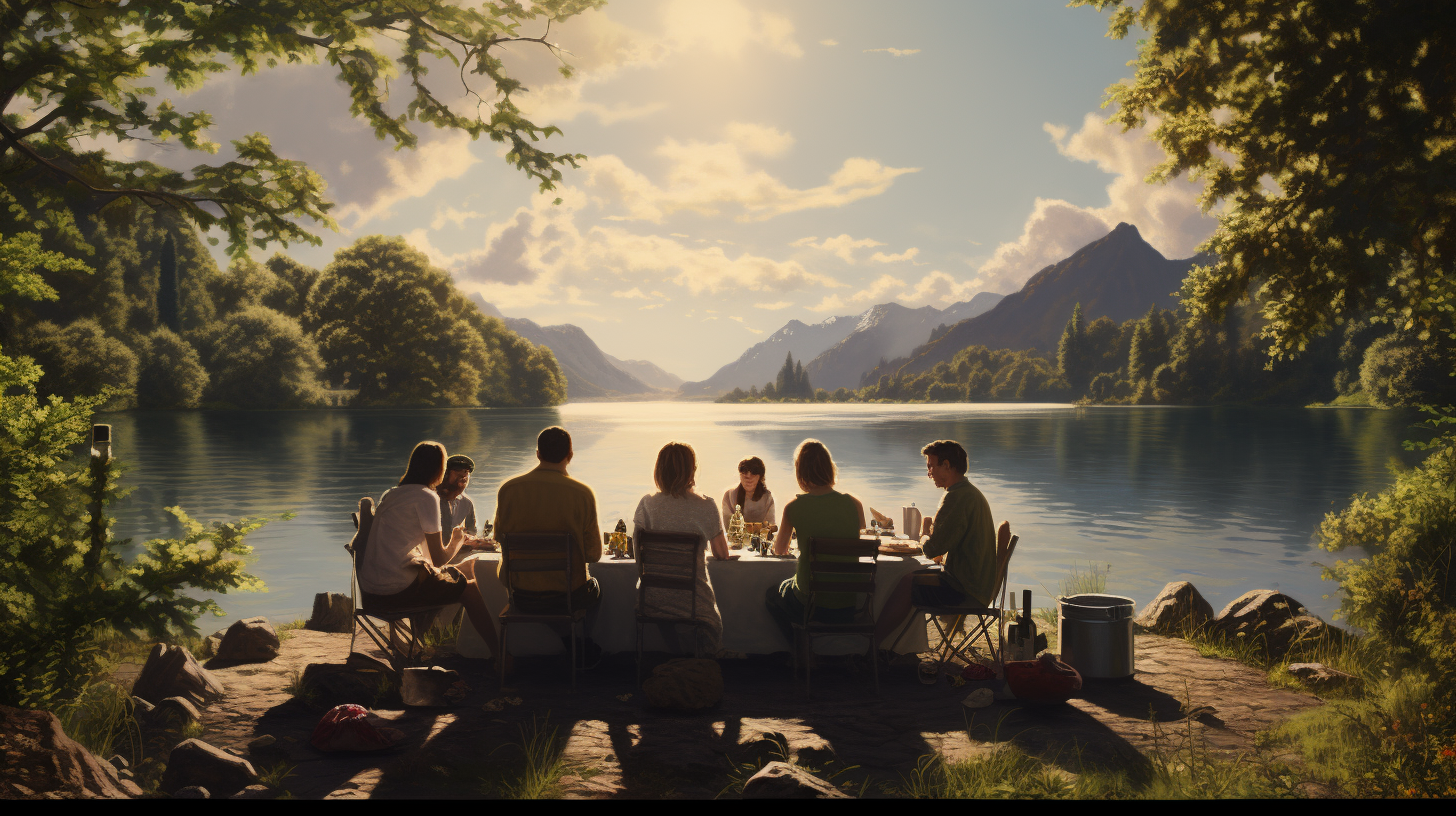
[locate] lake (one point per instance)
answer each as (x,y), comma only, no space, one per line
(1228,498)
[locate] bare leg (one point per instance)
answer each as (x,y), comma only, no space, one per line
(480,617)
(896,608)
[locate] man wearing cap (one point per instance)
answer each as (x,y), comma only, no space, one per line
(456,508)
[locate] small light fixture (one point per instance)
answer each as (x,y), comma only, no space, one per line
(101,442)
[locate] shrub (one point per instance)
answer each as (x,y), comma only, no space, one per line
(262,359)
(171,374)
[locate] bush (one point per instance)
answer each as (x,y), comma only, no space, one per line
(262,359)
(171,374)
(81,360)
(1404,371)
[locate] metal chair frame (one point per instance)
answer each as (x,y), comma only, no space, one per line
(538,552)
(662,558)
(414,619)
(986,617)
(861,575)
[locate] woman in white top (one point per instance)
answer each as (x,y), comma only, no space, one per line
(751,494)
(406,562)
(677,508)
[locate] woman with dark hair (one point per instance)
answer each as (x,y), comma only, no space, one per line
(676,508)
(406,561)
(751,493)
(819,512)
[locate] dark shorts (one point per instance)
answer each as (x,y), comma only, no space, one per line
(586,596)
(937,593)
(433,587)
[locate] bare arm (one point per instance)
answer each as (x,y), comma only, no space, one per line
(720,547)
(859,508)
(434,542)
(781,541)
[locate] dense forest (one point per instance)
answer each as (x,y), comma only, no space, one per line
(163,327)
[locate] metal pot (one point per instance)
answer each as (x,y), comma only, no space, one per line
(911,518)
(1094,634)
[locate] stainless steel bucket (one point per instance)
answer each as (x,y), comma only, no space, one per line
(1094,634)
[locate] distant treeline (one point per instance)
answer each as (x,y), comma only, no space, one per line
(1167,358)
(161,325)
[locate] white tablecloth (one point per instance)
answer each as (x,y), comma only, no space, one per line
(740,586)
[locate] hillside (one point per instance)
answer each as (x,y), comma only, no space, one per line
(760,363)
(885,331)
(1117,276)
(648,372)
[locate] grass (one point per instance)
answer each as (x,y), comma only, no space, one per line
(741,772)
(285,631)
(274,775)
(1091,581)
(192,730)
(102,719)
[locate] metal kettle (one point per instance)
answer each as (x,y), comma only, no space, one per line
(911,516)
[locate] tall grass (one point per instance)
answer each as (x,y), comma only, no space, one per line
(543,763)
(103,721)
(1091,581)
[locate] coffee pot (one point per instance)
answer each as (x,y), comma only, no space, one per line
(911,516)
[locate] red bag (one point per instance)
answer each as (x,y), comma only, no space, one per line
(348,728)
(1044,680)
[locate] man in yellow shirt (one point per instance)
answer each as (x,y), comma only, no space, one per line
(547,500)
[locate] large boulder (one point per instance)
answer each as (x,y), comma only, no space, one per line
(37,759)
(332,612)
(174,712)
(326,685)
(685,684)
(1272,622)
(251,640)
(194,763)
(172,671)
(1178,610)
(780,780)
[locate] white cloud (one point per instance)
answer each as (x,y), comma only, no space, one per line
(706,177)
(938,289)
(726,28)
(829,43)
(649,306)
(450,215)
(631,294)
(412,174)
(1167,216)
(907,255)
(775,306)
(753,330)
(899,52)
(878,291)
(841,246)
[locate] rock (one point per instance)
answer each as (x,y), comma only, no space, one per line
(257,792)
(780,780)
(432,687)
(1177,610)
(332,612)
(251,640)
(1323,678)
(175,712)
(326,685)
(816,754)
(172,671)
(979,698)
(1271,621)
(37,759)
(685,684)
(119,762)
(214,641)
(261,743)
(192,792)
(194,762)
(141,707)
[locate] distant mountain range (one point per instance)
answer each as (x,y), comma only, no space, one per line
(1117,276)
(761,362)
(591,373)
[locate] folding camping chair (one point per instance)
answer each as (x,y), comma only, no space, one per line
(983,619)
(412,621)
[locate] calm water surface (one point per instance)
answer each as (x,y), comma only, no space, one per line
(1226,498)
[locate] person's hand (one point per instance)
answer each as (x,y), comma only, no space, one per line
(457,536)
(729,558)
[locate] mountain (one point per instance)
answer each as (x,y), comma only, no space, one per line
(965,310)
(1116,276)
(590,373)
(886,331)
(648,372)
(762,362)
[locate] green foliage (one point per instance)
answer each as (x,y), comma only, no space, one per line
(62,578)
(169,296)
(248,283)
(1074,355)
(82,360)
(1401,370)
(171,373)
(1320,132)
(91,69)
(261,359)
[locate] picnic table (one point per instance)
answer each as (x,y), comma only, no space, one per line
(740,586)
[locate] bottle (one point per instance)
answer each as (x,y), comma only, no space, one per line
(735,526)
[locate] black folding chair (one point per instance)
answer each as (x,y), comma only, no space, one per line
(850,573)
(669,564)
(413,620)
(538,553)
(984,619)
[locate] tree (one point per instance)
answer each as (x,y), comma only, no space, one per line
(171,373)
(1401,370)
(1073,355)
(169,302)
(261,359)
(1322,130)
(1149,344)
(82,360)
(75,70)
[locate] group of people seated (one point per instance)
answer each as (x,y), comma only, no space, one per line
(409,562)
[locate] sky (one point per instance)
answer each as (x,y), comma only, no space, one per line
(750,162)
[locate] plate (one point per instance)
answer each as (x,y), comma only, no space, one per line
(900,549)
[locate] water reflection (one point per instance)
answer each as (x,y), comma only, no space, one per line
(1226,497)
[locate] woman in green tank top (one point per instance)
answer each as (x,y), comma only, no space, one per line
(819,512)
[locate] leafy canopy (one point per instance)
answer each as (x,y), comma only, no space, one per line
(74,71)
(1328,131)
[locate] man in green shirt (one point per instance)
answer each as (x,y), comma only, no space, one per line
(963,538)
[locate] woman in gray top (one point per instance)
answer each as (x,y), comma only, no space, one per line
(752,494)
(677,508)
